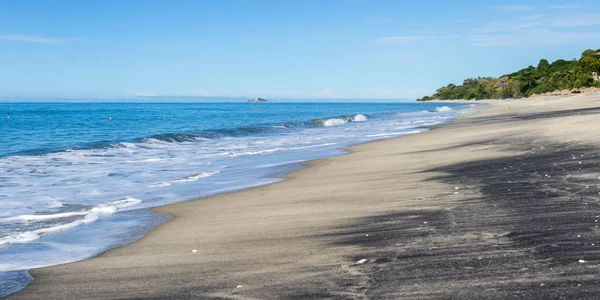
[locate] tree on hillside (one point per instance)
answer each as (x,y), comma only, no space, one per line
(591,52)
(544,65)
(561,64)
(547,77)
(590,64)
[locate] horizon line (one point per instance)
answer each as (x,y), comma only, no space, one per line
(13,99)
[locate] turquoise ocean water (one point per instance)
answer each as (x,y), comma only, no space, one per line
(77,179)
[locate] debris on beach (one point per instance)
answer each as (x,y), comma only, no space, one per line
(362,262)
(455,193)
(581,261)
(420,198)
(239,286)
(194,251)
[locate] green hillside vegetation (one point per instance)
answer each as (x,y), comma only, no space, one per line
(546,77)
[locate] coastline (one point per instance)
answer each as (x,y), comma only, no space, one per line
(379,202)
(174,167)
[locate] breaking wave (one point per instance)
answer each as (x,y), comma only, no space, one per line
(359,118)
(195,177)
(47,223)
(443,109)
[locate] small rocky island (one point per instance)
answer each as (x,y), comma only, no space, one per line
(258,100)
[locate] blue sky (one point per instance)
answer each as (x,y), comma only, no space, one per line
(299,49)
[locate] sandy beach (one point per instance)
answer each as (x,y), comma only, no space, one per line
(501,203)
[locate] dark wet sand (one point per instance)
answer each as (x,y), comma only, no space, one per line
(499,204)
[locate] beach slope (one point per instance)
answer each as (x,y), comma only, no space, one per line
(502,203)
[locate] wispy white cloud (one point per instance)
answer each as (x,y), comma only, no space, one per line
(567,6)
(514,8)
(33,39)
(410,39)
(533,37)
(508,25)
(564,20)
(558,28)
(573,20)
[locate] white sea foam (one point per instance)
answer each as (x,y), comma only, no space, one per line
(312,146)
(154,159)
(29,218)
(393,133)
(334,122)
(196,176)
(266,151)
(443,109)
(359,118)
(89,216)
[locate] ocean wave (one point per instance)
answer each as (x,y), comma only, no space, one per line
(29,218)
(89,216)
(266,151)
(311,146)
(334,122)
(331,121)
(196,176)
(443,109)
(166,139)
(359,118)
(170,137)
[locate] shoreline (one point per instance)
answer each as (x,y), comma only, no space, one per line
(278,177)
(284,240)
(275,175)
